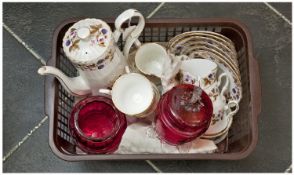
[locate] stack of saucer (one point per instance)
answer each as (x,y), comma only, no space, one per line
(221,50)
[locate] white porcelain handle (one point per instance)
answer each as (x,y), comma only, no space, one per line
(231,104)
(105,91)
(127,69)
(226,86)
(133,37)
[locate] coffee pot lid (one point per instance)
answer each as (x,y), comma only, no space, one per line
(87,40)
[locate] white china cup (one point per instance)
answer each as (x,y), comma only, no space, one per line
(133,94)
(151,58)
(201,71)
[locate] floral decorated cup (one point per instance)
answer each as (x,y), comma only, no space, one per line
(202,73)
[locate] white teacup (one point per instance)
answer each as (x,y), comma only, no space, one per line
(151,59)
(201,72)
(133,94)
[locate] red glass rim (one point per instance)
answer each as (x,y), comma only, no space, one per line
(78,107)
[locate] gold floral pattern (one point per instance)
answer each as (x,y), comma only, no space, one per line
(99,65)
(210,79)
(213,94)
(99,36)
(207,82)
(74,46)
(217,117)
(95,28)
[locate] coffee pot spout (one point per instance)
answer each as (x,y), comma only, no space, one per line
(76,86)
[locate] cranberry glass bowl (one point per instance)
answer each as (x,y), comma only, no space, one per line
(96,125)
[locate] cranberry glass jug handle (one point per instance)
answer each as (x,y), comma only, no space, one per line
(132,32)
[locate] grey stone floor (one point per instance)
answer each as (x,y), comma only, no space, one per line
(23,88)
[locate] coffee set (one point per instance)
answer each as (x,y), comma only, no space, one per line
(188,88)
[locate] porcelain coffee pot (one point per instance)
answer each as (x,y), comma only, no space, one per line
(92,48)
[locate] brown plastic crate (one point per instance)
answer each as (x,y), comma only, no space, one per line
(243,135)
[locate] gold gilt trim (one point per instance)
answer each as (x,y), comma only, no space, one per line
(100,64)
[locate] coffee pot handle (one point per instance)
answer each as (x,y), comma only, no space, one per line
(132,38)
(226,86)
